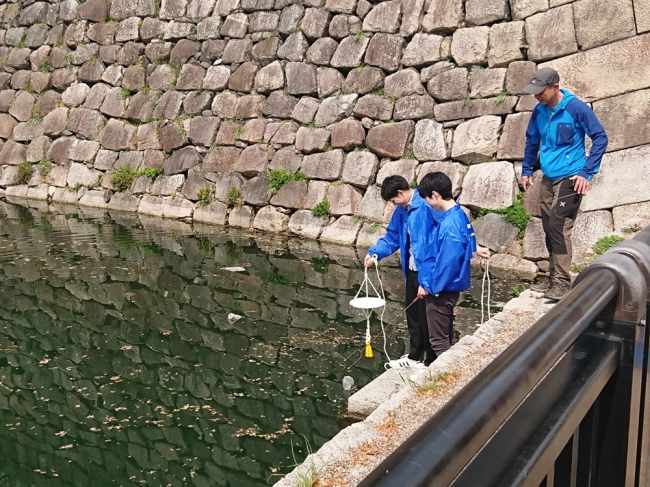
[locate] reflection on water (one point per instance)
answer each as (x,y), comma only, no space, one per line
(119,364)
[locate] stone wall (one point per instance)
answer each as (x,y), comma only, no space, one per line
(214,94)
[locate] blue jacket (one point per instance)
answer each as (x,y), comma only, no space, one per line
(446,266)
(419,220)
(562,138)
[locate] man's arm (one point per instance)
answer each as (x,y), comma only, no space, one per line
(387,244)
(594,129)
(533,141)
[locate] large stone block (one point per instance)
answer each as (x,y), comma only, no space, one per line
(287,158)
(390,139)
(599,22)
(269,219)
(522,9)
(411,15)
(118,135)
(304,224)
(506,43)
(424,49)
(629,217)
(343,231)
(403,83)
(619,113)
(374,107)
(582,73)
(221,159)
(167,185)
(551,34)
(403,167)
(330,81)
(334,109)
(642,15)
(279,105)
(305,110)
(360,168)
(363,80)
(270,78)
(384,51)
(348,134)
(619,173)
(384,17)
(509,266)
(321,51)
(449,85)
(344,199)
(225,182)
(589,227)
(301,79)
(491,186)
(429,141)
(294,48)
(350,52)
(310,140)
(443,16)
(413,107)
(518,75)
(253,160)
(454,170)
(80,174)
(256,191)
(341,6)
(484,83)
(241,217)
(291,195)
(325,165)
(480,12)
(182,160)
(476,140)
(469,46)
(316,192)
(372,206)
(535,241)
(493,232)
(290,18)
(513,138)
(13,153)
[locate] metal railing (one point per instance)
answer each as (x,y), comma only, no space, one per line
(565,405)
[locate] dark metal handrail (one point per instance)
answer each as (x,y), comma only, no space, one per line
(441,448)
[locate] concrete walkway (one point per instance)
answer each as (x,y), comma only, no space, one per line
(397,403)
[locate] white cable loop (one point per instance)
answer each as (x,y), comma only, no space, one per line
(486,275)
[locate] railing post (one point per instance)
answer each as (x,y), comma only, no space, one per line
(621,404)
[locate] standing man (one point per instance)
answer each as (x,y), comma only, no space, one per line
(558,125)
(407,232)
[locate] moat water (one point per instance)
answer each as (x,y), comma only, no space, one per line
(121,362)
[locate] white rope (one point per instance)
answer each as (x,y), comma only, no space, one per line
(486,275)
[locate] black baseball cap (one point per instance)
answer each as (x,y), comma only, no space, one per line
(541,79)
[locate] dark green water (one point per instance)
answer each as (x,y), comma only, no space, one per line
(119,365)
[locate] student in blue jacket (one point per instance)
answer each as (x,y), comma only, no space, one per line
(407,232)
(445,270)
(556,130)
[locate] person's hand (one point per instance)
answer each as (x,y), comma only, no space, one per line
(580,184)
(483,252)
(422,292)
(526,181)
(368,261)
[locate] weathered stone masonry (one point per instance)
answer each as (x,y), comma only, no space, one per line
(215,93)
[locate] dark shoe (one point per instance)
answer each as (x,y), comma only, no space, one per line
(558,289)
(543,285)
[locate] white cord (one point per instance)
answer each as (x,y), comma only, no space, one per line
(383,310)
(486,275)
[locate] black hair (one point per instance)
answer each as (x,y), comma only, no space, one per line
(438,182)
(391,185)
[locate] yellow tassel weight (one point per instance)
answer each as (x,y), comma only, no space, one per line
(368,352)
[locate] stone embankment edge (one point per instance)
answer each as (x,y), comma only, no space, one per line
(390,391)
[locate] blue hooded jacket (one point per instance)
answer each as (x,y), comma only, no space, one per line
(561,134)
(446,266)
(419,219)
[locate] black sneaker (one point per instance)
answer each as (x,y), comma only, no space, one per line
(558,290)
(543,285)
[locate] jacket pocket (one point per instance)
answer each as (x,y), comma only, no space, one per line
(564,134)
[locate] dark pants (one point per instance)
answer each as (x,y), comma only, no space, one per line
(440,318)
(559,204)
(416,321)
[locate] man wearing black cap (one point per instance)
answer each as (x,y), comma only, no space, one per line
(556,130)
